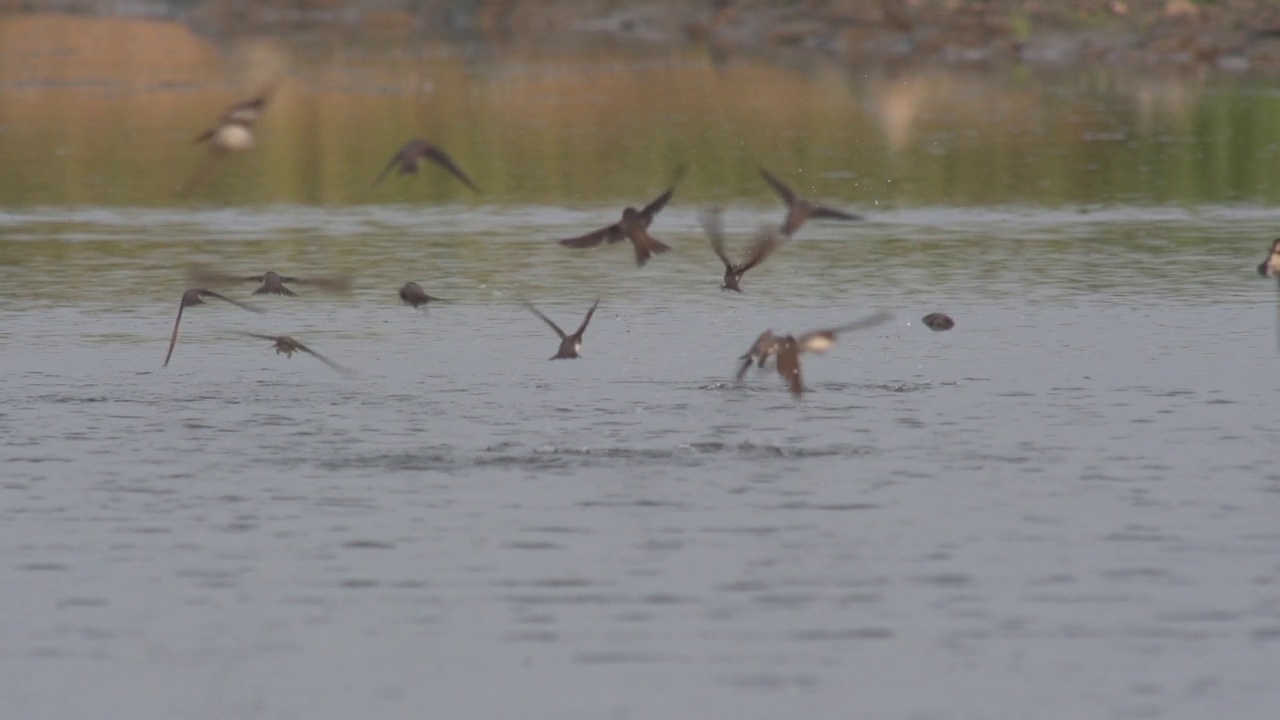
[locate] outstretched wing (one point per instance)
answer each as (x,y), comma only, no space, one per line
(441,158)
(819,211)
(585,321)
(613,233)
(173,339)
(224,298)
(322,358)
(778,186)
(712,226)
(647,214)
(396,159)
(819,341)
(548,321)
(767,240)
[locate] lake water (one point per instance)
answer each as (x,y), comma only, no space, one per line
(1065,507)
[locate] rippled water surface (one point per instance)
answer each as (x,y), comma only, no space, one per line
(1065,507)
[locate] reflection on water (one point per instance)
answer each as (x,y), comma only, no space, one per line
(1064,507)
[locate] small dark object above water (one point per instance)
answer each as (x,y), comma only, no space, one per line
(413,294)
(799,210)
(272,282)
(1271,266)
(570,345)
(766,241)
(408,161)
(633,226)
(288,346)
(938,322)
(192,297)
(787,349)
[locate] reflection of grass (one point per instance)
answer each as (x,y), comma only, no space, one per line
(596,127)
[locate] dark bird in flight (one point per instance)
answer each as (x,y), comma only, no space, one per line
(570,345)
(195,296)
(413,294)
(787,349)
(272,282)
(766,241)
(288,346)
(938,322)
(408,161)
(800,210)
(633,226)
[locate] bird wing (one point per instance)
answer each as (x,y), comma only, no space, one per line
(647,214)
(441,158)
(322,358)
(819,211)
(767,240)
(712,226)
(819,341)
(224,298)
(613,233)
(759,350)
(586,320)
(272,338)
(778,186)
(548,321)
(394,161)
(173,339)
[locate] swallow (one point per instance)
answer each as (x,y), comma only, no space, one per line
(273,283)
(766,241)
(800,210)
(408,161)
(787,349)
(195,296)
(938,322)
(413,294)
(234,131)
(633,226)
(570,345)
(1271,266)
(288,346)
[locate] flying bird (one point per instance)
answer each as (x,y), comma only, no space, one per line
(633,226)
(195,296)
(408,161)
(570,345)
(234,130)
(272,283)
(287,346)
(413,294)
(787,349)
(232,133)
(938,322)
(800,210)
(766,241)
